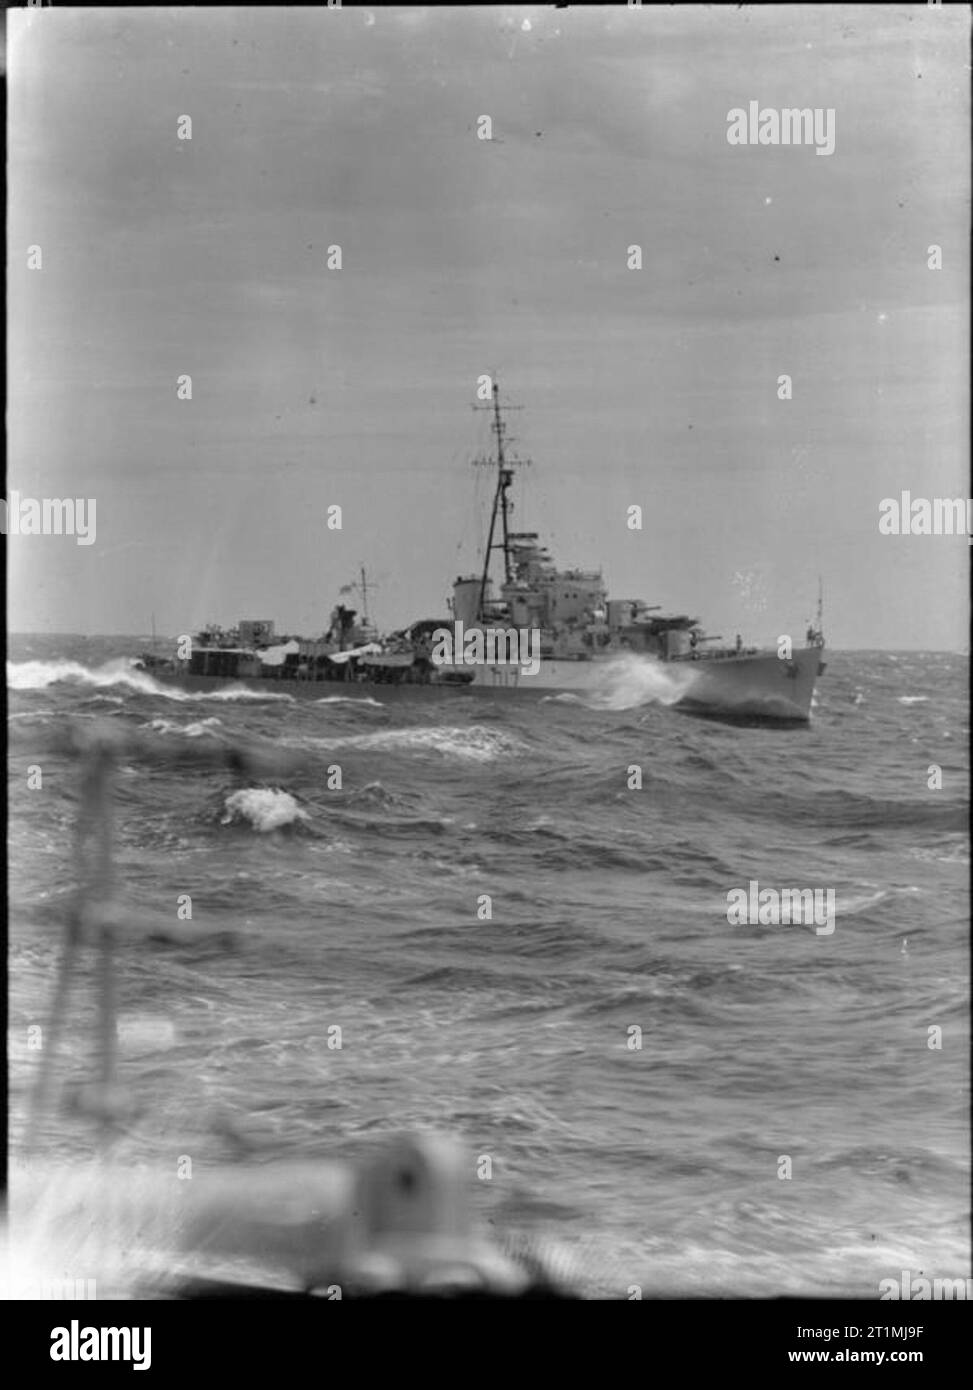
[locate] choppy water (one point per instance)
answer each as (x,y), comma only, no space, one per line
(358,908)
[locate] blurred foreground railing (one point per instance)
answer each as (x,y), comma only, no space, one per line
(398,1223)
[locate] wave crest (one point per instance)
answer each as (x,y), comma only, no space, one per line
(264,808)
(476,743)
(123,671)
(629,681)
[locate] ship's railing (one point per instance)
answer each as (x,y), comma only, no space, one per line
(400,1222)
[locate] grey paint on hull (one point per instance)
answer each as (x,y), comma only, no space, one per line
(758,688)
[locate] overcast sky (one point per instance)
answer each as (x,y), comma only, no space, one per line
(462,256)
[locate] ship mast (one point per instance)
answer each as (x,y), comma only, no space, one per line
(363,587)
(502,505)
(815,632)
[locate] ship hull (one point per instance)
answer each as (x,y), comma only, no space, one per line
(755,688)
(758,687)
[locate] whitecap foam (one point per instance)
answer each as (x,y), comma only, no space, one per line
(232,694)
(197,729)
(122,671)
(474,744)
(630,680)
(349,700)
(265,808)
(39,675)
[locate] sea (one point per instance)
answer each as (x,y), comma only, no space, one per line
(524,949)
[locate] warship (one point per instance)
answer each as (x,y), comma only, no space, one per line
(579,638)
